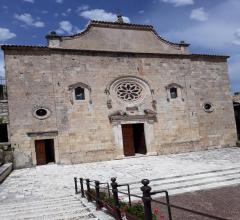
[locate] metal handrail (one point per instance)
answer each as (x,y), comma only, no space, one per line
(167,203)
(128,188)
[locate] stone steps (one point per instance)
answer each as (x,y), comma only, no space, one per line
(191,182)
(42,207)
(51,208)
(47,201)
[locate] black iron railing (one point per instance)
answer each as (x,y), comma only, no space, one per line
(93,195)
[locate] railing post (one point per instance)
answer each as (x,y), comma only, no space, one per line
(146,199)
(115,198)
(75,184)
(97,188)
(89,198)
(168,206)
(82,188)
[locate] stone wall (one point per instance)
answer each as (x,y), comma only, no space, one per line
(122,37)
(84,131)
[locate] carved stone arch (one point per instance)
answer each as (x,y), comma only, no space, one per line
(79,84)
(174,85)
(82,85)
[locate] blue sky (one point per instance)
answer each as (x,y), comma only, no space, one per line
(210,26)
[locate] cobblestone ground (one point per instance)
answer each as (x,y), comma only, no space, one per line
(222,202)
(177,173)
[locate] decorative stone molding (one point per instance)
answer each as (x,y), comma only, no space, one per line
(154,102)
(82,85)
(128,90)
(109,103)
(79,84)
(119,116)
(45,112)
(42,133)
(174,85)
(208,107)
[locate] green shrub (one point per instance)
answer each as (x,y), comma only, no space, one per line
(138,211)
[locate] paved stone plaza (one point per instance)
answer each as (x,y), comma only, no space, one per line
(50,188)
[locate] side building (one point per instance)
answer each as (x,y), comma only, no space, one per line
(111,91)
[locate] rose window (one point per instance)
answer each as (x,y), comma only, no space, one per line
(129,91)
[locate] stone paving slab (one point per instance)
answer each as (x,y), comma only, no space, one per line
(222,202)
(51,181)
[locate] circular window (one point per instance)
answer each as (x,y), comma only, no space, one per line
(41,113)
(208,107)
(129,91)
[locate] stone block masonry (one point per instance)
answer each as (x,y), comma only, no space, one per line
(200,117)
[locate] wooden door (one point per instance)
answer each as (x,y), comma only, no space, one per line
(128,141)
(40,152)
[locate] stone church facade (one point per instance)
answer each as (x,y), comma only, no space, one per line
(112,91)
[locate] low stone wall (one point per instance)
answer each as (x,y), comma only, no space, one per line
(6,156)
(5,170)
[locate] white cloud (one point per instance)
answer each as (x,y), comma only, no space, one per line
(59,1)
(199,14)
(28,20)
(236,41)
(38,24)
(217,34)
(83,8)
(68,11)
(178,3)
(65,27)
(6,34)
(141,11)
(1,64)
(44,11)
(30,1)
(102,15)
(234,70)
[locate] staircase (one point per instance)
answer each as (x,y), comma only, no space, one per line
(49,208)
(47,192)
(191,182)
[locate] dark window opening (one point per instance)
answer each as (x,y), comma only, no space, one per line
(3,133)
(207,106)
(173,93)
(237,119)
(79,93)
(45,151)
(41,112)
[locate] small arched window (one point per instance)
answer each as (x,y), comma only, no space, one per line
(79,93)
(173,93)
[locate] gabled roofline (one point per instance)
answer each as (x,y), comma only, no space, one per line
(119,25)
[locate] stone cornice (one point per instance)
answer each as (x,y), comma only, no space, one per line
(110,53)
